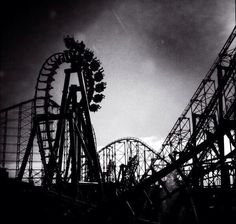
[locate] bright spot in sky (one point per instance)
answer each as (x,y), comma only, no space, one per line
(227,145)
(153,141)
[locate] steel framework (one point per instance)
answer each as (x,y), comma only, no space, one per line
(207,124)
(53,144)
(126,160)
(15,126)
(199,152)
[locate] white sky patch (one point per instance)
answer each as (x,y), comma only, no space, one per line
(227,145)
(153,141)
(149,66)
(99,147)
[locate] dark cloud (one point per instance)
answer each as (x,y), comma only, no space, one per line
(33,30)
(177,31)
(152,51)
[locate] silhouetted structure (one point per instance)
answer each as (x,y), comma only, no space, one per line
(52,146)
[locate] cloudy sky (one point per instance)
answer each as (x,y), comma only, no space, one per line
(154,53)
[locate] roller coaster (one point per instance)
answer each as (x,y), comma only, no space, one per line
(48,148)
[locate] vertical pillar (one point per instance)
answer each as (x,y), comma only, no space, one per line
(59,137)
(225,199)
(234,121)
(27,151)
(76,121)
(73,158)
(96,169)
(224,171)
(18,150)
(31,157)
(195,159)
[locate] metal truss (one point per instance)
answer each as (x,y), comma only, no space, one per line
(198,153)
(209,121)
(125,160)
(66,140)
(15,127)
(16,123)
(52,144)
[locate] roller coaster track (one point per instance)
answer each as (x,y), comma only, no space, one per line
(199,151)
(65,137)
(196,139)
(202,91)
(118,157)
(202,112)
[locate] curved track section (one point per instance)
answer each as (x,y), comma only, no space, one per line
(89,66)
(64,128)
(125,160)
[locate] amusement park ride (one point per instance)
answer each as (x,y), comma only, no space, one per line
(48,148)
